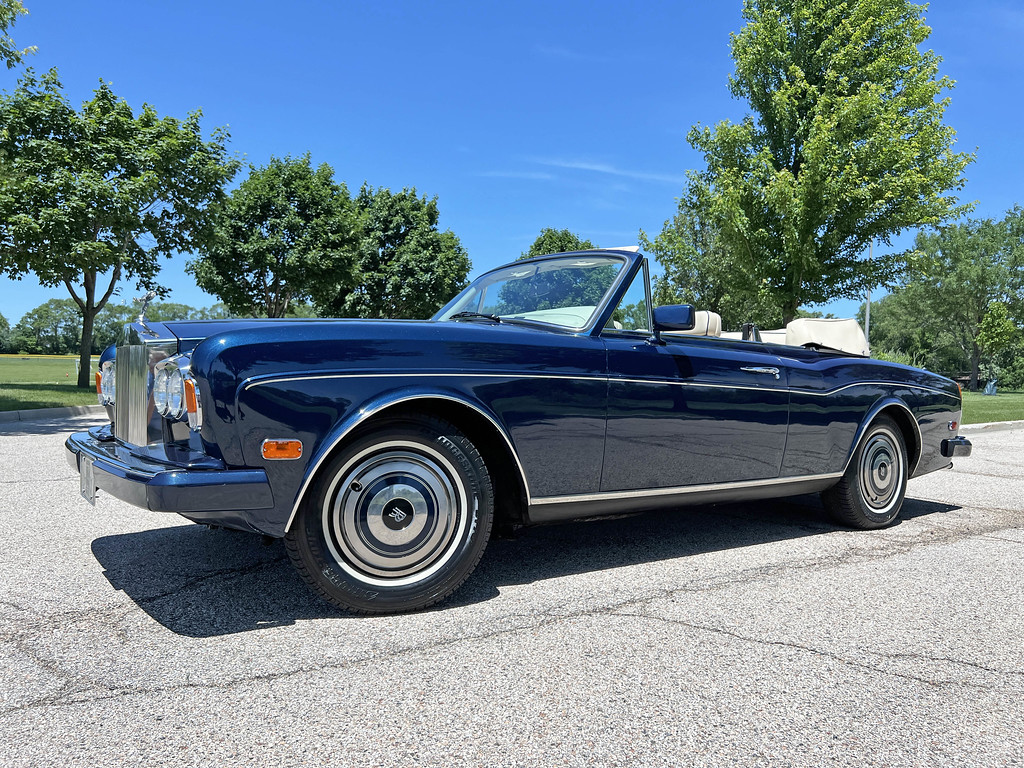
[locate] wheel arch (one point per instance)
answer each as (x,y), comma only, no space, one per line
(899,412)
(484,430)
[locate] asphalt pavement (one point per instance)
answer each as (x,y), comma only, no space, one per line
(755,634)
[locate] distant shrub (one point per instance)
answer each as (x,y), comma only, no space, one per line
(1012,376)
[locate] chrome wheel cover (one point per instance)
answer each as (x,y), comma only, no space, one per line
(881,472)
(395,513)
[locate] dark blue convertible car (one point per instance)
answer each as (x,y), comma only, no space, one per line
(385,452)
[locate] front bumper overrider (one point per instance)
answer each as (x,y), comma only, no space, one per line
(165,487)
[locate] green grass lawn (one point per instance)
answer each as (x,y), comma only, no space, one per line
(979,408)
(40,382)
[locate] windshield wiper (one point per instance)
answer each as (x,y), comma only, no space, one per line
(474,315)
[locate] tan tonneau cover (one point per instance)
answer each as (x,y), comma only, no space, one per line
(844,335)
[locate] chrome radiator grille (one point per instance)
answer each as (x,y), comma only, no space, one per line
(131,398)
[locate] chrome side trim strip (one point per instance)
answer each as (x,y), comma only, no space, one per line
(682,490)
(366,414)
(256,381)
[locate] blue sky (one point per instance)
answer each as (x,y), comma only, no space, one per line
(518,116)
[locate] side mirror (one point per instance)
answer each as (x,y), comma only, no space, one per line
(674,317)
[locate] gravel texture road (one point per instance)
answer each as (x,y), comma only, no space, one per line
(755,634)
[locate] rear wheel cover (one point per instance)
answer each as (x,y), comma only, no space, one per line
(871,491)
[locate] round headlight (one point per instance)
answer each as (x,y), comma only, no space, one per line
(160,391)
(175,394)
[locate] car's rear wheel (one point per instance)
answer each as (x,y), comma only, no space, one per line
(870,494)
(397,520)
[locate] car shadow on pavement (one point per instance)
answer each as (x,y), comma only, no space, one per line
(199,582)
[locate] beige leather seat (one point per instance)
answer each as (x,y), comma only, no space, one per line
(704,324)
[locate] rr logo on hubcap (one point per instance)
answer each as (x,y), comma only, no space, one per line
(398,514)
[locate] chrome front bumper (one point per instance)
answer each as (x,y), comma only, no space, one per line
(164,487)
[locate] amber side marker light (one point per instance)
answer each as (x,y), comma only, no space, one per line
(282,449)
(191,403)
(99,383)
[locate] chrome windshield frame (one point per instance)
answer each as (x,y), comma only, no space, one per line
(627,259)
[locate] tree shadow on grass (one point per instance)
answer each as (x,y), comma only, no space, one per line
(203,583)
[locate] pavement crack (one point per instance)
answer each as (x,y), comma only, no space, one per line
(24,481)
(30,628)
(948,660)
(815,651)
(209,575)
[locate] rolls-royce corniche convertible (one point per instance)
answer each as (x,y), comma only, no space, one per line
(384,453)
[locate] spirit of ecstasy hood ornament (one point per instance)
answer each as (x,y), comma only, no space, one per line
(145,303)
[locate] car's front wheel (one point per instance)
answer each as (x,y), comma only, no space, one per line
(397,520)
(871,492)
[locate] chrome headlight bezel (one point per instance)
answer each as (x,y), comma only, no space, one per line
(108,383)
(169,387)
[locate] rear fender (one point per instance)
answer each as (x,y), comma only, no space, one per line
(904,419)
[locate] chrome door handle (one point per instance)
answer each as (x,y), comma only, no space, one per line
(757,369)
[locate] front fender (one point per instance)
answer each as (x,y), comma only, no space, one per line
(373,406)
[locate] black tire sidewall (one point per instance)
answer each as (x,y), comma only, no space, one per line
(347,590)
(847,500)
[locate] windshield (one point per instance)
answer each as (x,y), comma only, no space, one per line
(565,292)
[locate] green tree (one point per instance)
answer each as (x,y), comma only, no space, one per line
(110,322)
(966,268)
(218,311)
(10,54)
(90,197)
(556,241)
(5,335)
(407,267)
(699,270)
(52,328)
(846,145)
(997,331)
(941,312)
(286,235)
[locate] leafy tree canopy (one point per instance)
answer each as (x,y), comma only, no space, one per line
(407,268)
(88,197)
(5,335)
(956,309)
(10,54)
(846,145)
(52,328)
(286,235)
(556,241)
(699,270)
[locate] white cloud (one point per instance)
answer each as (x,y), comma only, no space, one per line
(528,175)
(611,170)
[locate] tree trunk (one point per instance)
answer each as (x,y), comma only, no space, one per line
(975,365)
(85,378)
(789,311)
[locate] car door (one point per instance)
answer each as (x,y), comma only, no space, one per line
(692,411)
